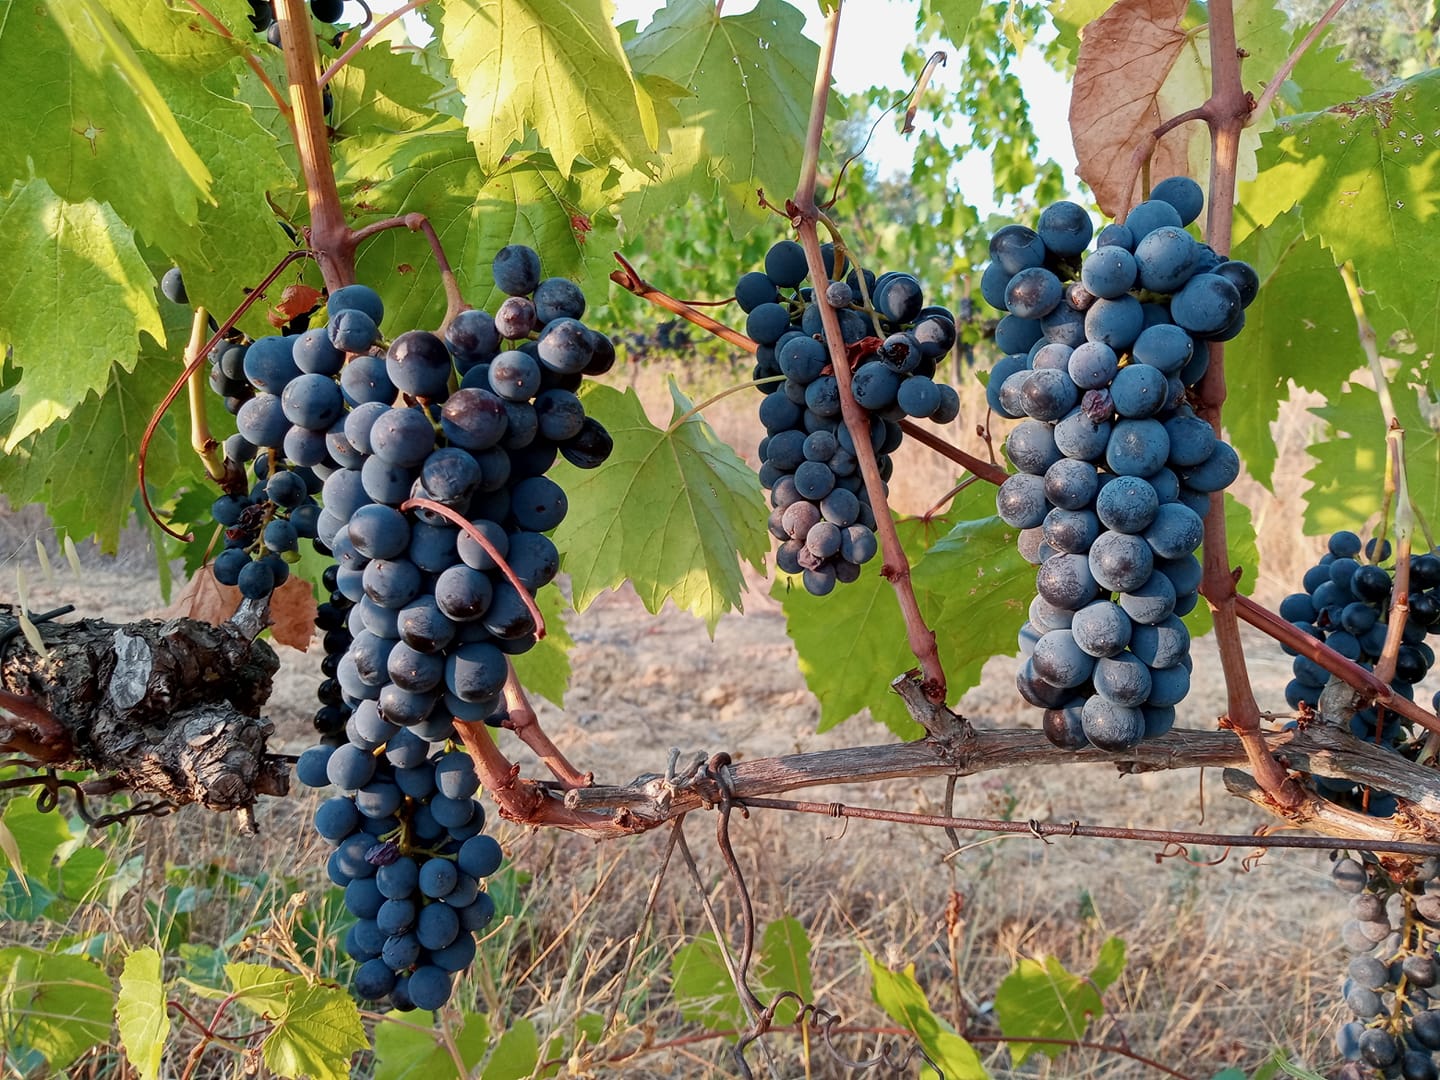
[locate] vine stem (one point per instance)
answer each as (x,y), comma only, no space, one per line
(896,567)
(985,470)
(201,441)
(524,723)
(1227,110)
(454,302)
(696,410)
(330,237)
(1397,482)
(365,39)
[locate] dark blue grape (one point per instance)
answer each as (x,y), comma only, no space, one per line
(1108,272)
(1065,228)
(1183,193)
(516,270)
(1111,726)
(419,364)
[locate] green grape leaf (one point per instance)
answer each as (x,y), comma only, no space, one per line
(71,265)
(36,837)
(545,669)
(904,1001)
(1300,329)
(381,92)
(140,1012)
(1110,964)
(784,964)
(673,511)
(100,441)
(96,124)
(1344,481)
(55,1004)
(516,1053)
(701,986)
(852,643)
(1322,77)
(742,127)
(953,16)
(315,1029)
(554,66)
(409,1051)
(524,200)
(1360,173)
(987,588)
(1041,999)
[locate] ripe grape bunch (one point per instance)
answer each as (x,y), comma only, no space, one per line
(1115,469)
(822,514)
(1347,605)
(1390,987)
(401,444)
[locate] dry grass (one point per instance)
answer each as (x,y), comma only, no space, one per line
(1224,966)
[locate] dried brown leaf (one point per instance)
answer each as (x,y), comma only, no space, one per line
(204,599)
(1124,59)
(292,613)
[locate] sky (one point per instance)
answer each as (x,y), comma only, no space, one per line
(874,35)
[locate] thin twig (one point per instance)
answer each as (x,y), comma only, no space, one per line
(629,279)
(366,37)
(634,947)
(456,518)
(454,301)
(1041,830)
(985,470)
(251,59)
(1273,87)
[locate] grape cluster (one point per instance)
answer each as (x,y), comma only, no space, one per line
(423,614)
(822,514)
(1347,605)
(1390,989)
(410,854)
(1115,471)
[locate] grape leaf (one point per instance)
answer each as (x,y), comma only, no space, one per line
(545,669)
(516,1053)
(1322,77)
(53,1003)
(1123,62)
(784,964)
(904,1001)
(140,1012)
(381,91)
(94,120)
(987,588)
(1041,999)
(555,66)
(36,837)
(743,125)
(1361,174)
(1344,487)
(1071,17)
(953,18)
(71,265)
(673,511)
(411,1051)
(315,1029)
(1299,329)
(525,200)
(100,441)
